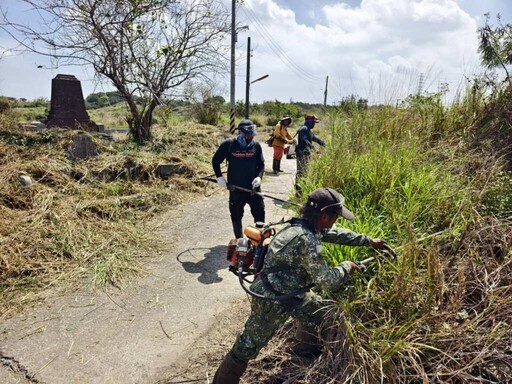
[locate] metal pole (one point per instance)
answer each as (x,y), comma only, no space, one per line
(325,92)
(248,78)
(232,87)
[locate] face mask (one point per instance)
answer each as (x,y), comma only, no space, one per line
(243,141)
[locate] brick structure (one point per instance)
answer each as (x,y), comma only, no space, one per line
(67,105)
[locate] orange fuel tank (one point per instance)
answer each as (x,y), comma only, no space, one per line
(254,234)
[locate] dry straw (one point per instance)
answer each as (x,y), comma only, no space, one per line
(86,218)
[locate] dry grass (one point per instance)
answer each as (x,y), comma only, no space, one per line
(88,218)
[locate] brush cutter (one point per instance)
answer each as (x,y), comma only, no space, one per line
(387,250)
(232,187)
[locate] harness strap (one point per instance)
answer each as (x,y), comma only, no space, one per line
(291,303)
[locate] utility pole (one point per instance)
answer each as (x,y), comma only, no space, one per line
(325,92)
(248,78)
(232,87)
(420,84)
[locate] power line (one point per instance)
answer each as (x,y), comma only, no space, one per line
(277,49)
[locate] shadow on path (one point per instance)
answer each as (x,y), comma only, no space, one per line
(194,260)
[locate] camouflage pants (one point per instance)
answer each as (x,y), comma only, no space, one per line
(268,316)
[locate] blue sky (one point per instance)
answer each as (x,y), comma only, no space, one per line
(376,49)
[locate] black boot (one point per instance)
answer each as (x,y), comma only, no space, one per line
(278,166)
(230,371)
(275,166)
(237,228)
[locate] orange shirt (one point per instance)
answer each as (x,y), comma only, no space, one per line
(281,135)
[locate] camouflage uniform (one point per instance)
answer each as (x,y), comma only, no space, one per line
(295,253)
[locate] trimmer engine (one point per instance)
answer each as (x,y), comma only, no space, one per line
(240,254)
(246,254)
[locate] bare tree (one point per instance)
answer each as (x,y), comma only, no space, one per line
(144,47)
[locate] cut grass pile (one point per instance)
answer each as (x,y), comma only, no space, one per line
(88,217)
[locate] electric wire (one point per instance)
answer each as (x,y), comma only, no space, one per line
(277,49)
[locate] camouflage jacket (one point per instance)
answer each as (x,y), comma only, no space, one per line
(297,251)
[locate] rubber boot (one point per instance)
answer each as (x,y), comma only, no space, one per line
(278,166)
(230,371)
(275,166)
(237,229)
(307,345)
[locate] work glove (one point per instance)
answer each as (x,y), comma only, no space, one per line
(221,181)
(256,183)
(295,141)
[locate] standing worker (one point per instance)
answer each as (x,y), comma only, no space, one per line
(305,146)
(245,170)
(294,263)
(281,137)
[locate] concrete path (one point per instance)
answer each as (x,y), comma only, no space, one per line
(132,335)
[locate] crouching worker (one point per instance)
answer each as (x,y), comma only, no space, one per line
(294,263)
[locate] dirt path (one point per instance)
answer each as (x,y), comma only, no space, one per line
(136,334)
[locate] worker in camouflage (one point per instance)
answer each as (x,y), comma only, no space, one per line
(294,261)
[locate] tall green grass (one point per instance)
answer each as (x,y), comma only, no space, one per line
(415,176)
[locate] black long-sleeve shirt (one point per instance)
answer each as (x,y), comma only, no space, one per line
(306,139)
(244,164)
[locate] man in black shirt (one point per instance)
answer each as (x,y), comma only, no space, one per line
(245,169)
(305,146)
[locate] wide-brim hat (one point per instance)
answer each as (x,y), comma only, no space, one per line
(329,201)
(312,117)
(284,118)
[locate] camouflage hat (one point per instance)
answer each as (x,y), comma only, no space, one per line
(329,201)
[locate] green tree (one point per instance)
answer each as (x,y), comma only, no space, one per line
(143,47)
(495,46)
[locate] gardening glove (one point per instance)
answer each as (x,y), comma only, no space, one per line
(221,181)
(256,182)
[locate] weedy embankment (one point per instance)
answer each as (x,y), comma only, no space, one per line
(433,181)
(87,218)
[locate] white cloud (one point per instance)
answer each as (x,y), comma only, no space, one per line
(363,48)
(379,39)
